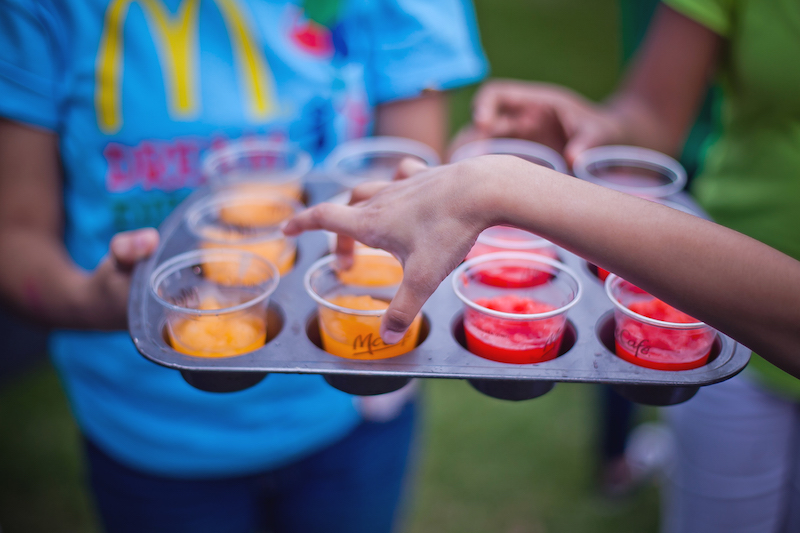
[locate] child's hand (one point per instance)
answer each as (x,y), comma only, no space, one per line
(109,284)
(428,221)
(345,244)
(548,114)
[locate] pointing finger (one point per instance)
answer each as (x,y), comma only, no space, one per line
(366,190)
(332,217)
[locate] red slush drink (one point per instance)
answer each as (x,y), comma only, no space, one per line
(513,341)
(662,347)
(510,239)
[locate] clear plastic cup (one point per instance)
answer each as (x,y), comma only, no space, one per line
(374,158)
(352,302)
(631,169)
(250,222)
(212,317)
(258,165)
(515,305)
(510,239)
(530,151)
(652,334)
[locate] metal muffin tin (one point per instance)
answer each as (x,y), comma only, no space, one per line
(293,344)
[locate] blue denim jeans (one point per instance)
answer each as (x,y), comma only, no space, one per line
(353,486)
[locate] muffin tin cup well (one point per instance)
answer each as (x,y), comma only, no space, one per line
(439,353)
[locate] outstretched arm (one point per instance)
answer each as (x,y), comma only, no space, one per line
(653,107)
(429,221)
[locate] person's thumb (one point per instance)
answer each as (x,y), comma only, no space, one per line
(131,246)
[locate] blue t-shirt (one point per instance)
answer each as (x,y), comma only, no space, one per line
(137,90)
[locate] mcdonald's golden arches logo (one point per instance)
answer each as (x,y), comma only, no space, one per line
(176,39)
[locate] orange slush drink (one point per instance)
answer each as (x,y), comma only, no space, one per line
(279,251)
(372,271)
(261,213)
(357,337)
(231,273)
(219,335)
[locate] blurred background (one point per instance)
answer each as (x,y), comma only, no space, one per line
(484,465)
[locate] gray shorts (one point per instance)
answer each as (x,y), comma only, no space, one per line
(737,465)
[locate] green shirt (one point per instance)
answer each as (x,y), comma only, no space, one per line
(750,179)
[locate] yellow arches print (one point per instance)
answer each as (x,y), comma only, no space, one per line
(176,39)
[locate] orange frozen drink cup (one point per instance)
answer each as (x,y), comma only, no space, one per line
(212,317)
(352,302)
(258,165)
(249,222)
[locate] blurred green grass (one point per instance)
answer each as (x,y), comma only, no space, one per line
(528,467)
(485,465)
(570,42)
(41,481)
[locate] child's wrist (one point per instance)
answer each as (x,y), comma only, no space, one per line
(500,187)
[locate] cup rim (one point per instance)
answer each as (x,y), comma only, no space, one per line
(510,146)
(530,257)
(188,258)
(533,244)
(635,156)
(613,278)
(240,147)
(325,261)
(375,145)
(217,200)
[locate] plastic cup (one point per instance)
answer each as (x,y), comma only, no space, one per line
(257,165)
(352,302)
(530,151)
(510,239)
(631,169)
(515,305)
(242,221)
(374,158)
(209,317)
(652,334)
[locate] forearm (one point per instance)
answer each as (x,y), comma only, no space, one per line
(666,82)
(431,219)
(40,281)
(732,282)
(424,119)
(37,277)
